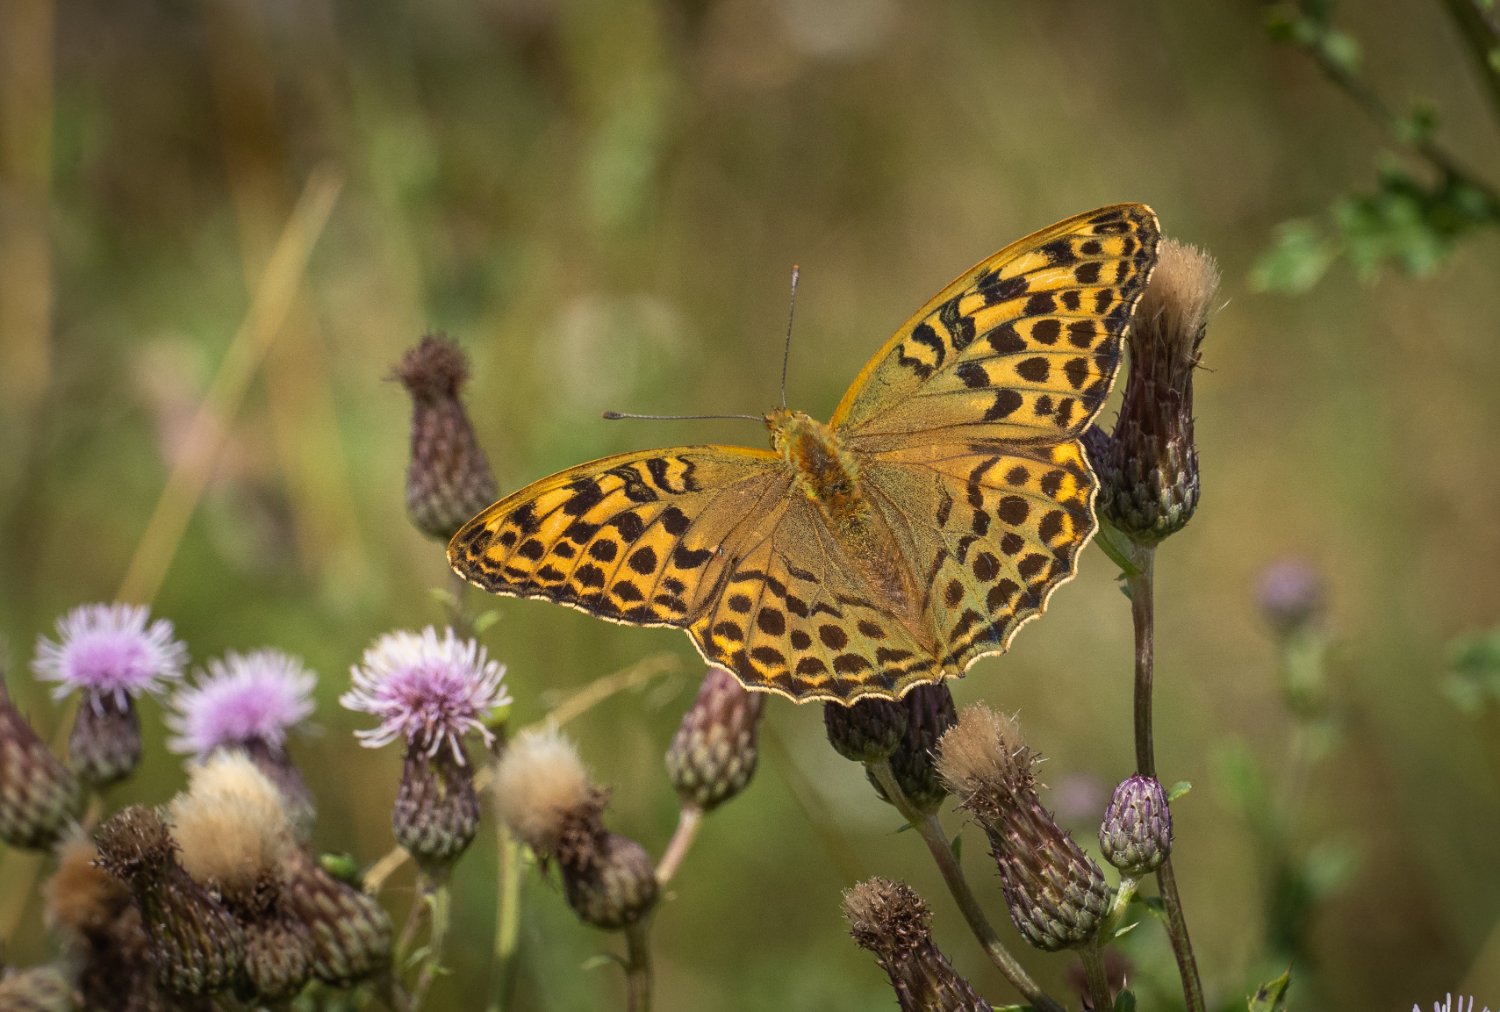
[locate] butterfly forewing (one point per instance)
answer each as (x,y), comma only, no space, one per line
(633,538)
(1023,347)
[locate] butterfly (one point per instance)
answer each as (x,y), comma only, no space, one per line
(914,533)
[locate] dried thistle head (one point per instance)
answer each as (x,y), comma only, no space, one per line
(983,759)
(82,899)
(542,788)
(231,825)
(1148,466)
(889,919)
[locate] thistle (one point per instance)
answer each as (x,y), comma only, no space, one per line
(891,920)
(546,797)
(37,989)
(1057,896)
(448,479)
(866,731)
(1136,835)
(111,655)
(430,692)
(247,703)
(102,932)
(349,931)
(39,798)
(713,754)
(1148,467)
(929,713)
(194,943)
(234,838)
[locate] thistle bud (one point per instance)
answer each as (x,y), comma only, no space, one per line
(929,713)
(889,919)
(1148,467)
(195,943)
(546,797)
(104,746)
(1057,896)
(38,989)
(1136,835)
(1292,596)
(448,479)
(39,799)
(866,731)
(350,931)
(713,755)
(234,835)
(437,810)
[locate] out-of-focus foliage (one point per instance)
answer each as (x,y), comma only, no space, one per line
(601,199)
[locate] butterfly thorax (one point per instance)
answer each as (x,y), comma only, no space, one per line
(825,471)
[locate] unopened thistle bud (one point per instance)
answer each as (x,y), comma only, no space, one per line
(1292,596)
(866,731)
(234,835)
(195,943)
(713,755)
(448,479)
(38,989)
(546,797)
(429,692)
(351,932)
(889,919)
(1057,896)
(39,798)
(929,713)
(1148,467)
(1136,835)
(112,656)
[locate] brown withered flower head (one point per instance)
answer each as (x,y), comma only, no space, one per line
(714,752)
(889,919)
(448,479)
(1056,894)
(194,942)
(547,798)
(1148,467)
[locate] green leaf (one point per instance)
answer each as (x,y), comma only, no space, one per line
(1125,1002)
(1179,789)
(1271,996)
(1340,49)
(484,620)
(1300,255)
(1474,670)
(1118,547)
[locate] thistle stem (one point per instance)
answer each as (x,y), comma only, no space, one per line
(1142,586)
(638,967)
(435,896)
(688,822)
(507,916)
(931,830)
(1096,977)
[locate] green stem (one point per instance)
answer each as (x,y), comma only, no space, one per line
(435,896)
(507,916)
(931,830)
(1096,977)
(1143,613)
(638,967)
(688,821)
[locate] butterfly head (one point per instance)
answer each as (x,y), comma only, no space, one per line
(825,470)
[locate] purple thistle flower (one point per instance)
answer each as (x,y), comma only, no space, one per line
(426,690)
(243,698)
(108,650)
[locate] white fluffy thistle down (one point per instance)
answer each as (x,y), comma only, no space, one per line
(231,824)
(110,650)
(426,690)
(539,781)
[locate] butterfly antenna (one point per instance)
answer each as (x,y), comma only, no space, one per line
(615,416)
(786,349)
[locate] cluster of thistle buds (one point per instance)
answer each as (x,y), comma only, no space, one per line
(217,893)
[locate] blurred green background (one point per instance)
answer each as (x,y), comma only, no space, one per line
(602,200)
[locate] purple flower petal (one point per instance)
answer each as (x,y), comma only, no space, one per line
(243,698)
(108,649)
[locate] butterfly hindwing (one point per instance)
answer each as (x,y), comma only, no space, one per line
(632,538)
(988,534)
(1023,347)
(793,617)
